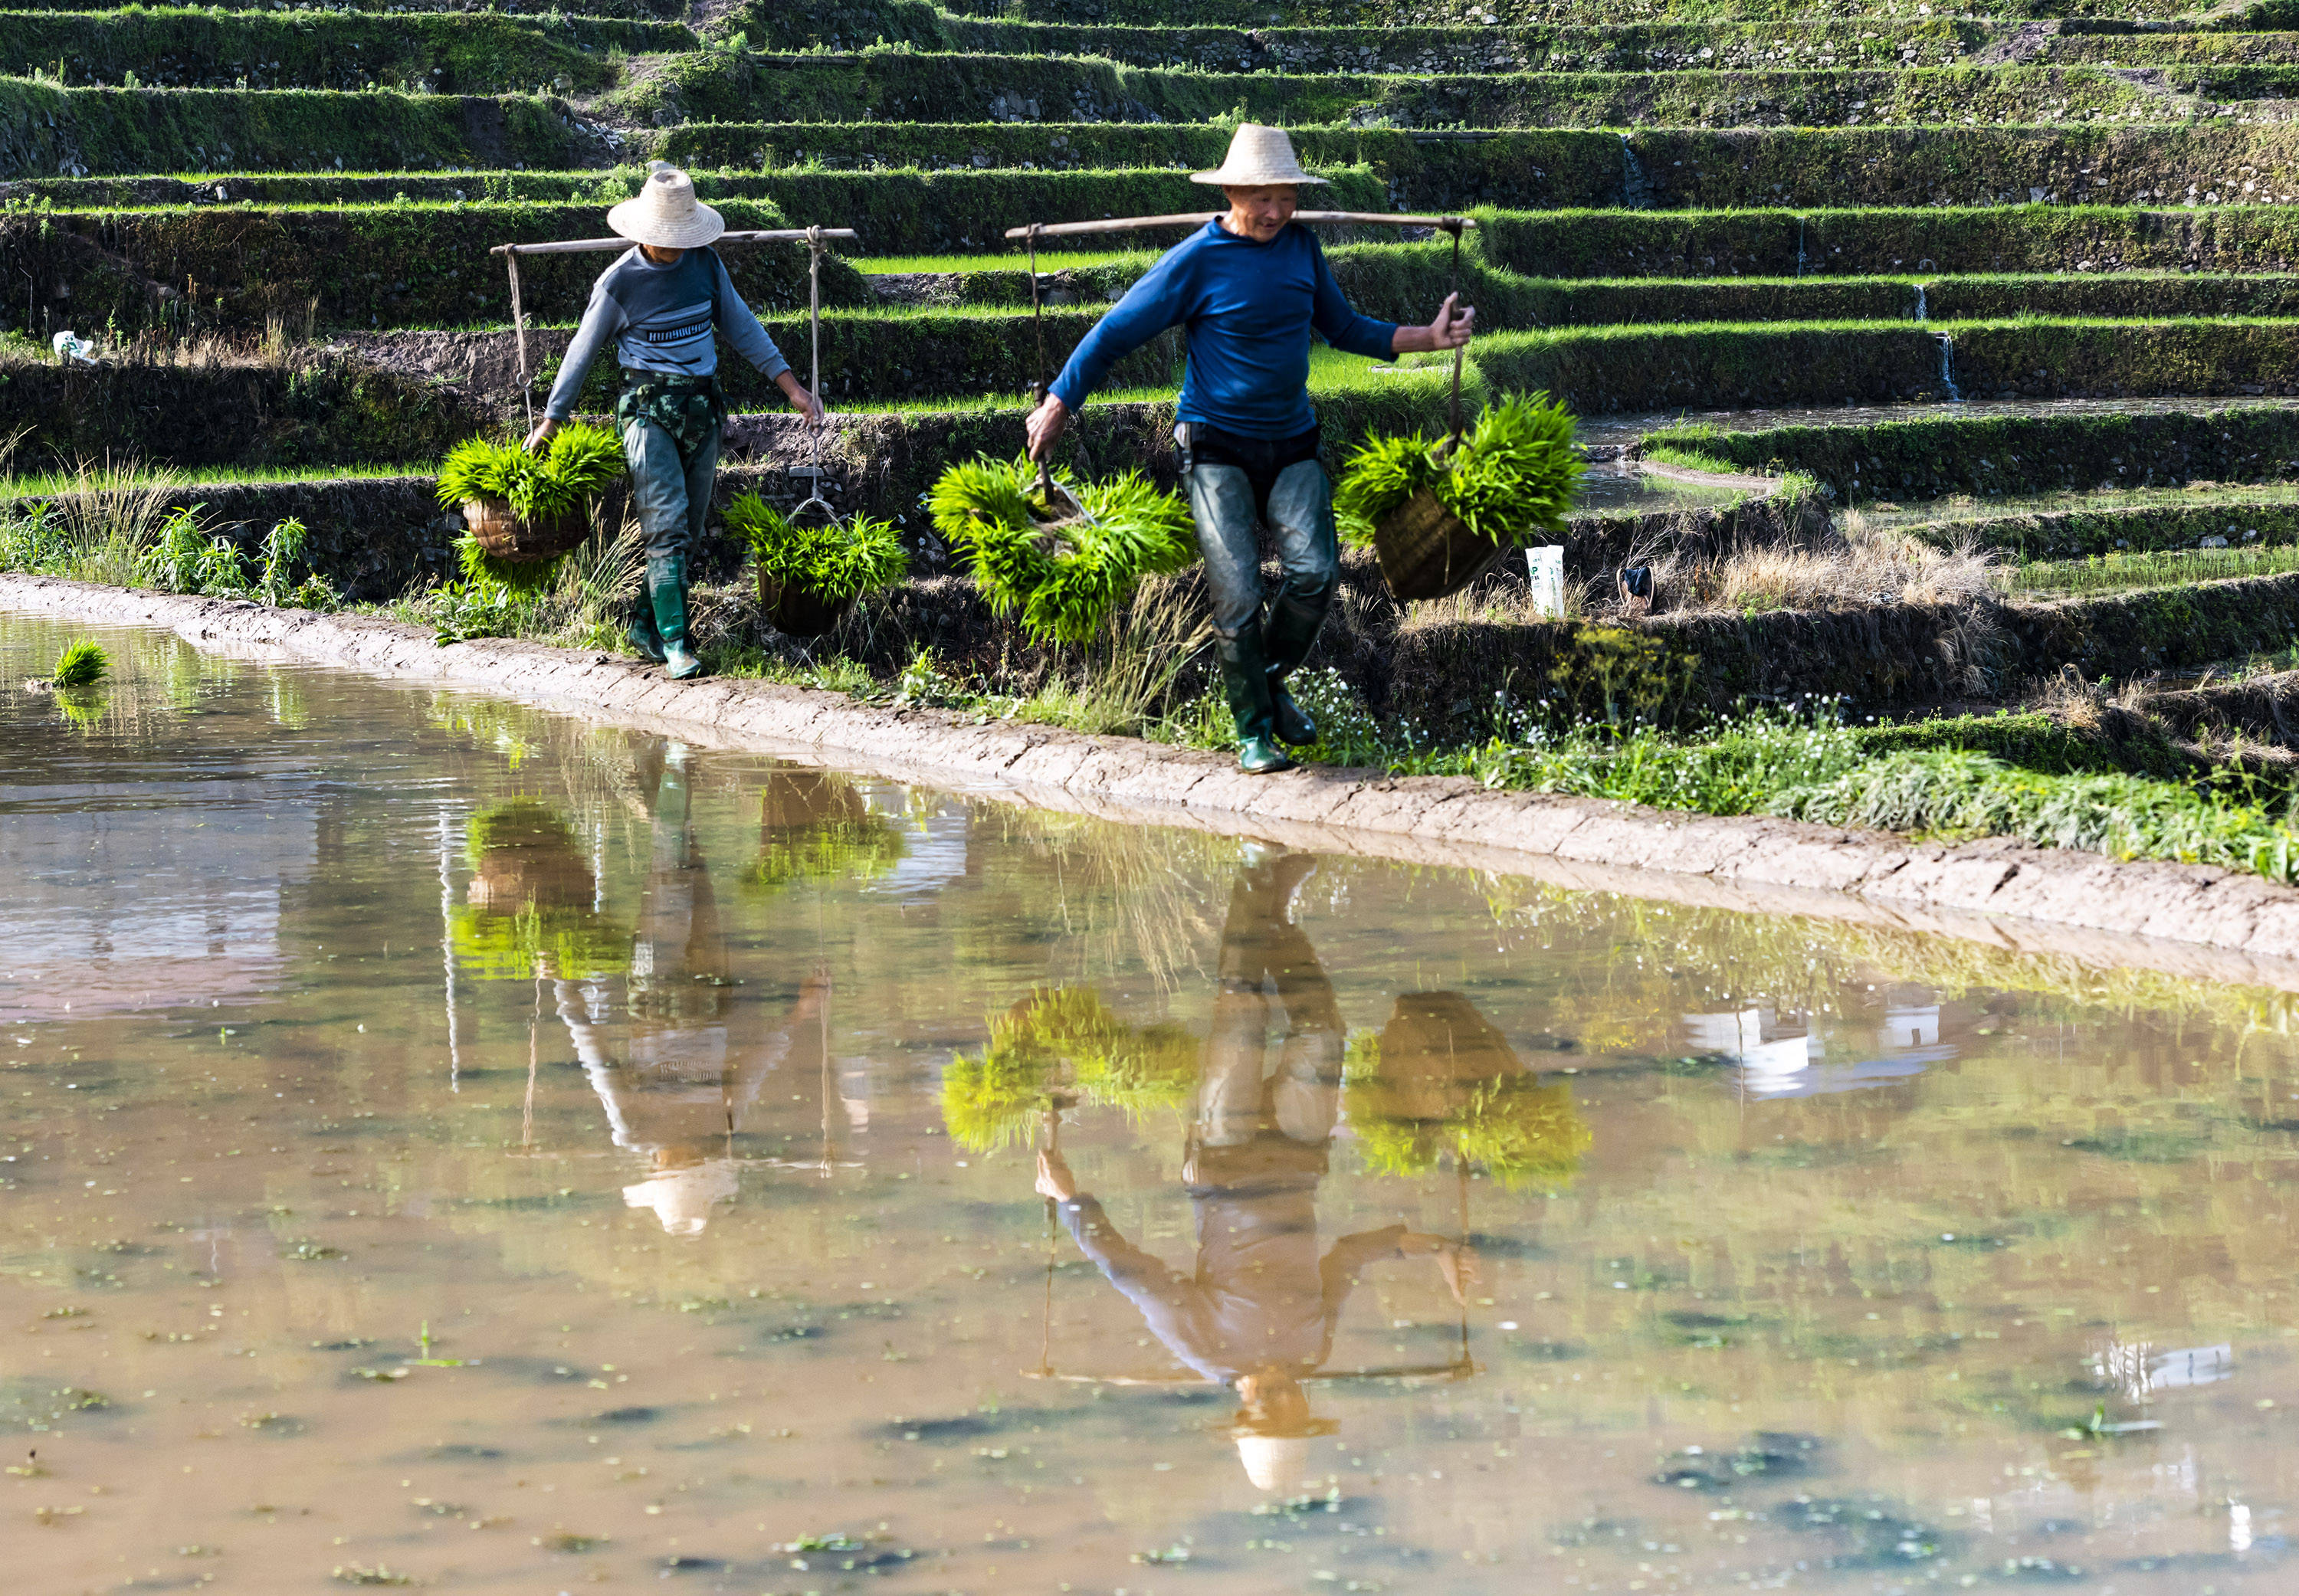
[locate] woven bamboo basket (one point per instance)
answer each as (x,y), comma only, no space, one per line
(508,536)
(1426,551)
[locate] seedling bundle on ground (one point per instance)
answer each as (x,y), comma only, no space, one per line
(1786,257)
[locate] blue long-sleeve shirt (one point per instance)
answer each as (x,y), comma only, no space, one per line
(1248,307)
(660,318)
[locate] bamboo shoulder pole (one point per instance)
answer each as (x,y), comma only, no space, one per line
(1200,219)
(573,246)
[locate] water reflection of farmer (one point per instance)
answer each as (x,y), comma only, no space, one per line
(688,1076)
(1260,1311)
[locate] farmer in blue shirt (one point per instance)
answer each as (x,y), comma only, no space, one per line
(660,305)
(1249,286)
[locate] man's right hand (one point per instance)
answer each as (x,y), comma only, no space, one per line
(1046,423)
(540,438)
(1054,1178)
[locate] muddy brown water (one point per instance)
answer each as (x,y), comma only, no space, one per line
(452,1143)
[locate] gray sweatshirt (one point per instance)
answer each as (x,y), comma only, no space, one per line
(660,318)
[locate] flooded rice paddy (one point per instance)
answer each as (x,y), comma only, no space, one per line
(453,1145)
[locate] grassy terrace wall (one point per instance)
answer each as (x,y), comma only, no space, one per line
(46,131)
(1954,453)
(384,265)
(900,85)
(477,53)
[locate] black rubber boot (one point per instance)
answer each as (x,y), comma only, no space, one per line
(667,591)
(1245,683)
(1288,719)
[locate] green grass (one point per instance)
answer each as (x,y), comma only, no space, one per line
(2167,567)
(43,484)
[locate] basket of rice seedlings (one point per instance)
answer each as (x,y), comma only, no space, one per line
(1059,554)
(1438,513)
(1440,1079)
(522,506)
(811,571)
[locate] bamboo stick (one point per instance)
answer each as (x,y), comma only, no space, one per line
(1198,219)
(571,245)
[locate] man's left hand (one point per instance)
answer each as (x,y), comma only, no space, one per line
(1453,324)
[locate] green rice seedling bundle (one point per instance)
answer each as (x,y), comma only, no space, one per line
(82,662)
(1060,574)
(807,575)
(524,506)
(1438,513)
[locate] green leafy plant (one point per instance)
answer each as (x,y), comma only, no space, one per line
(1061,576)
(1439,1081)
(1058,1045)
(579,463)
(1511,480)
(836,562)
(82,664)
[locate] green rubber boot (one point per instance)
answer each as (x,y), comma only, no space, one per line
(1292,723)
(1245,683)
(667,591)
(644,639)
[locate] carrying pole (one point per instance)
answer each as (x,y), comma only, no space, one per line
(810,237)
(1452,225)
(1038,389)
(1123,224)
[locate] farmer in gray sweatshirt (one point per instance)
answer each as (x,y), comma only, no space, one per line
(660,304)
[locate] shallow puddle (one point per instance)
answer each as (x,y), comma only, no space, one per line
(450,1144)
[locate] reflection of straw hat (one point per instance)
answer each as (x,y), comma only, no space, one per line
(666,214)
(682,1199)
(1274,1463)
(1259,158)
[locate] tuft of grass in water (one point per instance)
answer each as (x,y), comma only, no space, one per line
(82,664)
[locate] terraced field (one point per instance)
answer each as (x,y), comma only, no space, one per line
(1973,292)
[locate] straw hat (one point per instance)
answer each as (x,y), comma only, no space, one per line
(1279,1464)
(1259,158)
(682,1199)
(666,214)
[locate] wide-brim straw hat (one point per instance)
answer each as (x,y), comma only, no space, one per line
(666,214)
(1258,157)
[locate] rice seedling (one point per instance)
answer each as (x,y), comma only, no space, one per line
(1060,574)
(1511,480)
(82,662)
(836,562)
(579,463)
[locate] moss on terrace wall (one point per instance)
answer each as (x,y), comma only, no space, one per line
(224,411)
(1787,243)
(902,86)
(1880,656)
(1383,13)
(475,53)
(373,266)
(46,131)
(1961,453)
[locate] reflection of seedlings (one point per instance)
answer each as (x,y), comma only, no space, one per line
(1440,1079)
(30,1468)
(308,1252)
(65,1313)
(357,1574)
(1054,1047)
(2141,1145)
(1768,1453)
(1172,1554)
(528,905)
(55,1516)
(815,826)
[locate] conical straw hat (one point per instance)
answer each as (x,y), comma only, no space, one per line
(665,213)
(1258,157)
